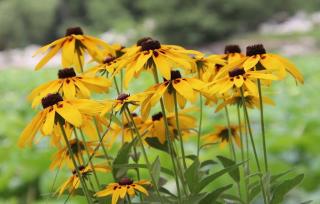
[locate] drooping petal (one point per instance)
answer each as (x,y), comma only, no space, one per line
(184,89)
(46,58)
(49,122)
(251,62)
(69,113)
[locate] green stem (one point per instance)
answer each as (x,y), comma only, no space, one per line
(154,182)
(84,187)
(265,155)
(253,146)
(104,149)
(179,130)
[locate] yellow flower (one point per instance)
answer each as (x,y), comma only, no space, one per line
(239,78)
(74,182)
(232,53)
(185,88)
(124,187)
(259,59)
(73,47)
(149,53)
(251,100)
(56,110)
(155,126)
(222,135)
(78,148)
(69,85)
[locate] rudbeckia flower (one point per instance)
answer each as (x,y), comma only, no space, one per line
(55,111)
(78,148)
(251,100)
(155,126)
(185,88)
(74,182)
(239,78)
(258,58)
(149,53)
(125,186)
(232,53)
(123,100)
(222,136)
(73,47)
(69,85)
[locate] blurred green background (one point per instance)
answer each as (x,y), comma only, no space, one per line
(289,27)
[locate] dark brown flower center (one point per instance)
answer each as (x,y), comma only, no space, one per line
(175,74)
(224,134)
(108,60)
(236,72)
(76,146)
(74,31)
(125,181)
(157,116)
(134,114)
(150,44)
(257,49)
(139,42)
(80,168)
(229,49)
(123,96)
(66,73)
(50,100)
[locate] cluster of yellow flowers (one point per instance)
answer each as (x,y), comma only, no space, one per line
(83,129)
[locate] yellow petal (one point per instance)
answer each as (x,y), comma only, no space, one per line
(68,53)
(69,89)
(69,113)
(163,66)
(141,189)
(251,86)
(251,62)
(168,101)
(238,81)
(49,122)
(184,89)
(46,58)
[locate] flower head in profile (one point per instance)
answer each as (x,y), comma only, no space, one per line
(232,53)
(124,187)
(155,127)
(184,88)
(73,47)
(221,136)
(73,181)
(69,85)
(149,53)
(57,111)
(257,58)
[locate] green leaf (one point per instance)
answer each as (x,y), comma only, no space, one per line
(213,196)
(192,157)
(192,175)
(156,168)
(143,166)
(122,158)
(193,199)
(207,180)
(207,163)
(154,142)
(274,178)
(235,174)
(282,189)
(230,197)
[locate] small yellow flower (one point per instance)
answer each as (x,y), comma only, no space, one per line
(232,53)
(222,136)
(149,53)
(69,85)
(125,186)
(73,182)
(73,47)
(258,58)
(55,111)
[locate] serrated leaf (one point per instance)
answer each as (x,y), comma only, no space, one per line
(192,175)
(213,196)
(282,189)
(235,174)
(156,168)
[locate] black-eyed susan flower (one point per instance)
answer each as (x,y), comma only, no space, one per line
(78,147)
(149,53)
(125,186)
(251,100)
(69,85)
(155,127)
(258,58)
(73,47)
(221,135)
(185,89)
(239,78)
(232,53)
(73,182)
(55,111)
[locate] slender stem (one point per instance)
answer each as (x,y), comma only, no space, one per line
(200,121)
(129,199)
(265,155)
(253,145)
(104,149)
(88,155)
(232,150)
(179,130)
(154,182)
(170,146)
(84,187)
